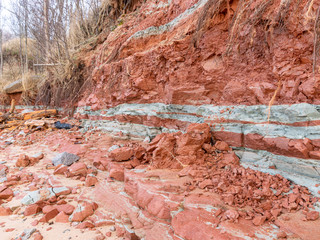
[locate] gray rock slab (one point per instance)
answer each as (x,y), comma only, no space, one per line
(34,196)
(14,87)
(65,158)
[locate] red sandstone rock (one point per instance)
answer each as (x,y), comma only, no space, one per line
(48,216)
(117,172)
(122,154)
(35,158)
(62,217)
(23,161)
(66,208)
(32,209)
(222,146)
(205,183)
(34,223)
(37,236)
(5,211)
(312,216)
(47,209)
(5,193)
(139,152)
(85,224)
(60,169)
(281,234)
(83,211)
(314,154)
(91,181)
(259,220)
(78,169)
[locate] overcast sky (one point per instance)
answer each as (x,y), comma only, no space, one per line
(5,15)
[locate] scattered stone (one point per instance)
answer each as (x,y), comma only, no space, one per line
(222,146)
(85,224)
(91,181)
(37,236)
(5,192)
(60,169)
(66,208)
(27,233)
(82,211)
(47,209)
(259,220)
(281,234)
(32,210)
(122,154)
(62,217)
(117,173)
(36,158)
(312,215)
(58,191)
(65,158)
(78,169)
(113,148)
(10,229)
(5,211)
(35,196)
(48,216)
(23,161)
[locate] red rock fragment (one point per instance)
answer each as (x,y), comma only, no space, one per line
(32,209)
(281,234)
(37,236)
(121,154)
(62,217)
(312,216)
(117,172)
(6,193)
(66,208)
(222,146)
(35,223)
(205,183)
(5,211)
(10,229)
(23,161)
(91,181)
(35,158)
(275,212)
(78,169)
(48,216)
(259,220)
(60,169)
(47,209)
(83,211)
(85,224)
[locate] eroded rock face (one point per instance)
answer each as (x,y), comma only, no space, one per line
(152,66)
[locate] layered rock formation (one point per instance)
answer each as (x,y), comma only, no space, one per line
(172,63)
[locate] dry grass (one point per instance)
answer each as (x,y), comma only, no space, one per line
(11,58)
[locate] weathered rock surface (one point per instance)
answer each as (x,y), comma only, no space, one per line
(14,87)
(65,158)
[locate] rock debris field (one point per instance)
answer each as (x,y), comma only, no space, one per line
(72,184)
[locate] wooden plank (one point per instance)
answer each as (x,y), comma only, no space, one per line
(40,114)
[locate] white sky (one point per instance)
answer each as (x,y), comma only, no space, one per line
(5,14)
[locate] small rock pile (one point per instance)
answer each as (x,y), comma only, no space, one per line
(66,163)
(215,167)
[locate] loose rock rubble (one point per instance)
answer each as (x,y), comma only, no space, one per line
(102,183)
